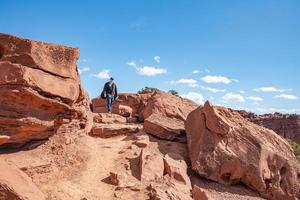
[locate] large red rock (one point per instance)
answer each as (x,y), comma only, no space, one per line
(227,148)
(164,115)
(168,105)
(39,88)
(14,184)
(164,127)
(286,125)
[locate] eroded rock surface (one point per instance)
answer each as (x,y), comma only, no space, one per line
(39,89)
(227,148)
(14,184)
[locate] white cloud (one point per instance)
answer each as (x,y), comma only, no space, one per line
(233,97)
(216,79)
(195,71)
(194,96)
(213,90)
(270,89)
(253,98)
(157,59)
(189,82)
(151,71)
(104,74)
(82,70)
(242,92)
(147,70)
(132,64)
(286,96)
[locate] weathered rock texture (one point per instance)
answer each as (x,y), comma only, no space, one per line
(39,89)
(163,114)
(14,184)
(286,125)
(164,127)
(227,148)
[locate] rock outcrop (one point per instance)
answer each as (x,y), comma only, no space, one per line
(286,125)
(14,184)
(163,114)
(39,89)
(227,148)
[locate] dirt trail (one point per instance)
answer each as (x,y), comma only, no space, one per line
(79,170)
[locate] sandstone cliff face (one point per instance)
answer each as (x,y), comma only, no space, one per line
(39,89)
(286,125)
(226,148)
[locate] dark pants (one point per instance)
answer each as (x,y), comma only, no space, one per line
(110,100)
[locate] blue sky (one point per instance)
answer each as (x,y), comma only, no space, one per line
(241,54)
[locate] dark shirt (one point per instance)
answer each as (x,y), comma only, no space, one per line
(110,89)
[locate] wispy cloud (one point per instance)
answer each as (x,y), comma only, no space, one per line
(207,70)
(213,90)
(103,74)
(147,70)
(189,82)
(232,97)
(151,71)
(194,96)
(157,59)
(271,89)
(254,98)
(82,70)
(195,71)
(132,64)
(216,79)
(286,96)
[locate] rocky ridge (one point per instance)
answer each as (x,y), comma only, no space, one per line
(154,145)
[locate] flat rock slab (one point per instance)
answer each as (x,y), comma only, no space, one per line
(163,127)
(109,118)
(111,130)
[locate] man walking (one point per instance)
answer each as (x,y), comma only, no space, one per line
(110,93)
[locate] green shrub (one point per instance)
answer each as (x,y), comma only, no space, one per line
(296,147)
(148,89)
(173,92)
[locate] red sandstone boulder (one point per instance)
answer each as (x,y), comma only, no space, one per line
(151,165)
(111,130)
(39,88)
(14,184)
(168,105)
(163,127)
(227,148)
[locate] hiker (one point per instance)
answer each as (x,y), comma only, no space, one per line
(110,93)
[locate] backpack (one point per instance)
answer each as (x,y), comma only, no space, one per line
(103,95)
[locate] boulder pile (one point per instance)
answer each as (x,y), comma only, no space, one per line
(40,90)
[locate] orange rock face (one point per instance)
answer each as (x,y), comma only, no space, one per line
(168,105)
(164,127)
(227,148)
(39,87)
(14,184)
